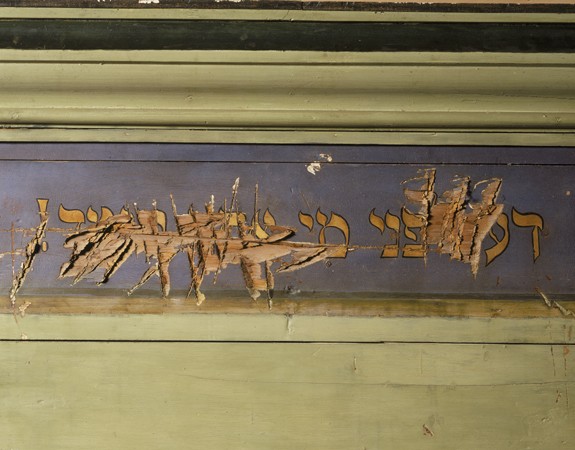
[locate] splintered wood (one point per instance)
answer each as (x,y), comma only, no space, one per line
(32,249)
(211,240)
(452,223)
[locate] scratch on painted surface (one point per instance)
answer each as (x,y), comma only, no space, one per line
(215,238)
(32,249)
(212,240)
(289,324)
(553,304)
(452,223)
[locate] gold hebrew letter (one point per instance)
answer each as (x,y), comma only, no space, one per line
(339,222)
(500,244)
(70,215)
(92,215)
(258,230)
(105,213)
(161,219)
(42,207)
(321,219)
(306,220)
(269,219)
(392,222)
(412,221)
(530,220)
(43,211)
(376,221)
(235,219)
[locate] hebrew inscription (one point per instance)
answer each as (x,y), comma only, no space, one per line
(464,222)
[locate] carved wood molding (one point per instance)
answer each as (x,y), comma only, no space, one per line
(222,95)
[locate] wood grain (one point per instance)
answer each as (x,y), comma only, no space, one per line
(284,328)
(310,305)
(461,379)
(308,396)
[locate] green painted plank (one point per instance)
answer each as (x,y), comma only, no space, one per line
(285,396)
(277,328)
(279,14)
(32,133)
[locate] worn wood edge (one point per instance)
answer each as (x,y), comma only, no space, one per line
(327,118)
(293,136)
(272,57)
(350,305)
(284,328)
(280,15)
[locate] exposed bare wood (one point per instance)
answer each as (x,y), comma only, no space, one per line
(351,305)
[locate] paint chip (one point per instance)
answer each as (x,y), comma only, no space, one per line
(313,167)
(427,431)
(22,308)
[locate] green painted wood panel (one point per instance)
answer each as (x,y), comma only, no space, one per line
(280,328)
(285,396)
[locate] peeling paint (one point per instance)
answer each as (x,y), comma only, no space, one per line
(451,222)
(315,166)
(22,308)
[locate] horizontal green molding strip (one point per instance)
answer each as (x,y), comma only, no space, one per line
(285,328)
(299,58)
(325,97)
(31,133)
(278,35)
(280,91)
(152,13)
